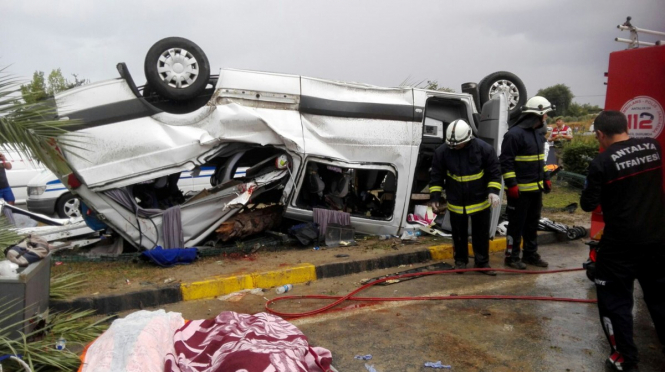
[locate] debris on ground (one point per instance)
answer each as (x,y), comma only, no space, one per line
(306,233)
(570,208)
(171,257)
(283,288)
(432,231)
(249,223)
(363,357)
(438,364)
(409,236)
(574,232)
(339,235)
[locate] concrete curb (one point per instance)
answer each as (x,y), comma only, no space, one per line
(302,273)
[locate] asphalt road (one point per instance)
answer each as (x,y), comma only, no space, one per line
(469,335)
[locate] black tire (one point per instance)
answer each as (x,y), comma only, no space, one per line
(178,50)
(68,206)
(571,234)
(488,86)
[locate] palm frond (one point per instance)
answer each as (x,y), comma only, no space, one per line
(78,328)
(8,236)
(65,285)
(31,128)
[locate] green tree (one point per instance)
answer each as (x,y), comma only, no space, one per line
(591,109)
(559,95)
(56,82)
(40,89)
(34,91)
(576,110)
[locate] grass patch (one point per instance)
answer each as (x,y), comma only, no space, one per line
(561,196)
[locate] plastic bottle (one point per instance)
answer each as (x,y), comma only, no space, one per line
(409,235)
(60,344)
(284,288)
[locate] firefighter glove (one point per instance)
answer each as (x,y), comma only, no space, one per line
(494,200)
(513,192)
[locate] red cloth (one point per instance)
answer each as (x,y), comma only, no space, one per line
(243,342)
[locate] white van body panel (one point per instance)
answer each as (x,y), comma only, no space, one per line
(353,125)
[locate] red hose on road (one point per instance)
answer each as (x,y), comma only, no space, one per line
(349,297)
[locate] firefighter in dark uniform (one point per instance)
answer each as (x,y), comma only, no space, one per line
(468,170)
(526,178)
(626,181)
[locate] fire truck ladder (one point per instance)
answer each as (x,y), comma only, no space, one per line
(634,41)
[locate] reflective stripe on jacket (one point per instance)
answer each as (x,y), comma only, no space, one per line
(522,157)
(468,175)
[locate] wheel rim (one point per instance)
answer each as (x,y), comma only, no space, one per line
(72,208)
(178,68)
(508,87)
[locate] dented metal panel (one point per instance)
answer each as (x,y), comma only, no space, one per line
(199,217)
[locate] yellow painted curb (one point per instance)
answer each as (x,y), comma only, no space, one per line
(498,245)
(222,286)
(445,251)
(298,274)
(441,252)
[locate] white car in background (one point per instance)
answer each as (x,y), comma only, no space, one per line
(47,195)
(23,170)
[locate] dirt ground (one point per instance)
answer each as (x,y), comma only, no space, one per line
(121,277)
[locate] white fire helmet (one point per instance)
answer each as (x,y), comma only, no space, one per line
(538,105)
(458,132)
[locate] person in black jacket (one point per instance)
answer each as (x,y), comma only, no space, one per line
(626,180)
(526,178)
(468,169)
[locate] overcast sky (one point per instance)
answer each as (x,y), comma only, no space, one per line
(376,42)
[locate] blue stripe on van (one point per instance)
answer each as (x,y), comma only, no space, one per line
(62,188)
(53,182)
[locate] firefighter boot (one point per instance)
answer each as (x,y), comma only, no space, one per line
(486,266)
(535,260)
(460,265)
(624,367)
(514,263)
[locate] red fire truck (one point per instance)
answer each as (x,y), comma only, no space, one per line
(636,87)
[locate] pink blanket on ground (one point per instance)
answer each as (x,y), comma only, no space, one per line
(241,342)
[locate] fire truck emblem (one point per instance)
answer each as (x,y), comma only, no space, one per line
(645,117)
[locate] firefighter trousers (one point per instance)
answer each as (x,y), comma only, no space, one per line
(480,236)
(617,267)
(523,217)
